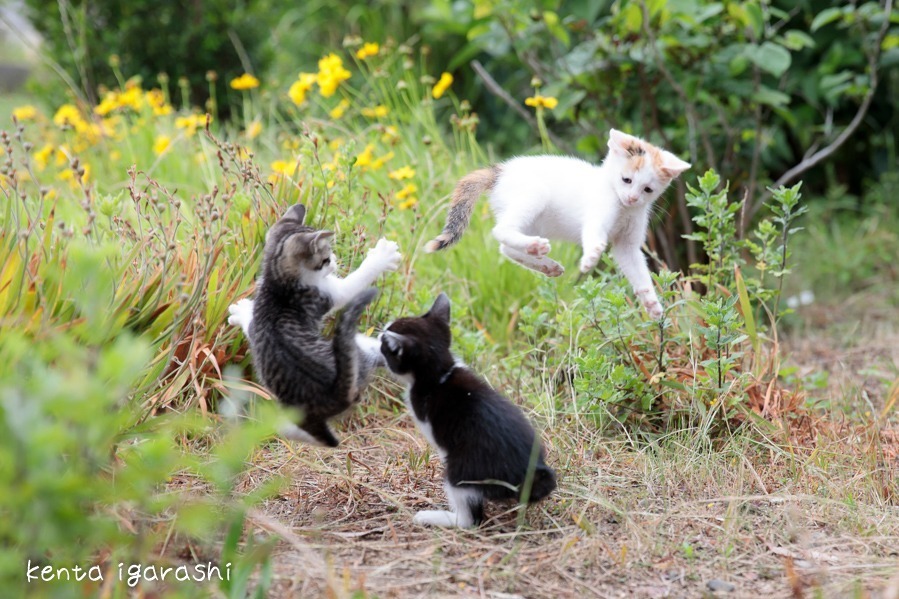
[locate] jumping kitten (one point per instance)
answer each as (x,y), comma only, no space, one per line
(384,257)
(297,289)
(538,198)
(483,439)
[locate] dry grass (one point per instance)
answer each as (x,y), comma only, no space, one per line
(629,520)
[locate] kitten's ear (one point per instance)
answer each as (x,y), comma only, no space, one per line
(441,308)
(671,165)
(296,212)
(392,343)
(319,237)
(621,143)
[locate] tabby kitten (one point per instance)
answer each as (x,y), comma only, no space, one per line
(488,447)
(322,377)
(538,198)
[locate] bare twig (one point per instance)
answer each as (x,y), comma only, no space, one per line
(833,146)
(495,88)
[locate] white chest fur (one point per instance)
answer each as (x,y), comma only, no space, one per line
(424,426)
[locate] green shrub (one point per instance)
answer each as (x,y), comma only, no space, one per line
(180,39)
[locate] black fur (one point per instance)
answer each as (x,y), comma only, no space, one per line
(484,436)
(293,360)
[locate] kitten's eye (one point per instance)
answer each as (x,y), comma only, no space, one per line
(647,189)
(326,262)
(627,180)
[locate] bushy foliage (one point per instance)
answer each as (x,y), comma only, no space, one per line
(94,41)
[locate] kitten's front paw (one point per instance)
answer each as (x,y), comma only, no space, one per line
(651,303)
(441,518)
(538,247)
(386,255)
(241,314)
(591,258)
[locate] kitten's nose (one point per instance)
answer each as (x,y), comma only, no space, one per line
(632,200)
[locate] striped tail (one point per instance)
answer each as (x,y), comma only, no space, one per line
(346,354)
(466,193)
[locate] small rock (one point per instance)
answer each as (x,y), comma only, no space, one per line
(716,585)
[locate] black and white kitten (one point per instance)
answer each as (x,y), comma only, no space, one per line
(488,448)
(320,376)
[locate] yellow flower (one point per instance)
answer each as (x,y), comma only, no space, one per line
(282,167)
(364,158)
(245,81)
(401,173)
(367,49)
(156,100)
(411,202)
(300,88)
(132,97)
(406,191)
(25,113)
(330,74)
(338,110)
(254,129)
(539,101)
(190,123)
(441,86)
(379,111)
(379,162)
(110,102)
(161,144)
(42,156)
(67,114)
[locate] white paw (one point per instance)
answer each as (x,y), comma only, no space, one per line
(651,303)
(385,255)
(591,258)
(538,247)
(552,269)
(436,518)
(241,314)
(293,432)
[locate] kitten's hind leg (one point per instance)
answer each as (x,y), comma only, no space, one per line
(467,505)
(509,234)
(295,433)
(313,432)
(543,264)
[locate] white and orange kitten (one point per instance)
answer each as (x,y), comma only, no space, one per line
(539,198)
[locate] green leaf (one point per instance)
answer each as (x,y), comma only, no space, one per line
(756,19)
(770,57)
(797,40)
(825,17)
(771,97)
(633,17)
(555,27)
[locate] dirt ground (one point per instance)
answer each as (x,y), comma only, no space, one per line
(628,520)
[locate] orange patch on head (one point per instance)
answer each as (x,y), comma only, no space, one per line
(637,161)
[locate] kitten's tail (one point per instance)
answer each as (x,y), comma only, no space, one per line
(466,193)
(346,354)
